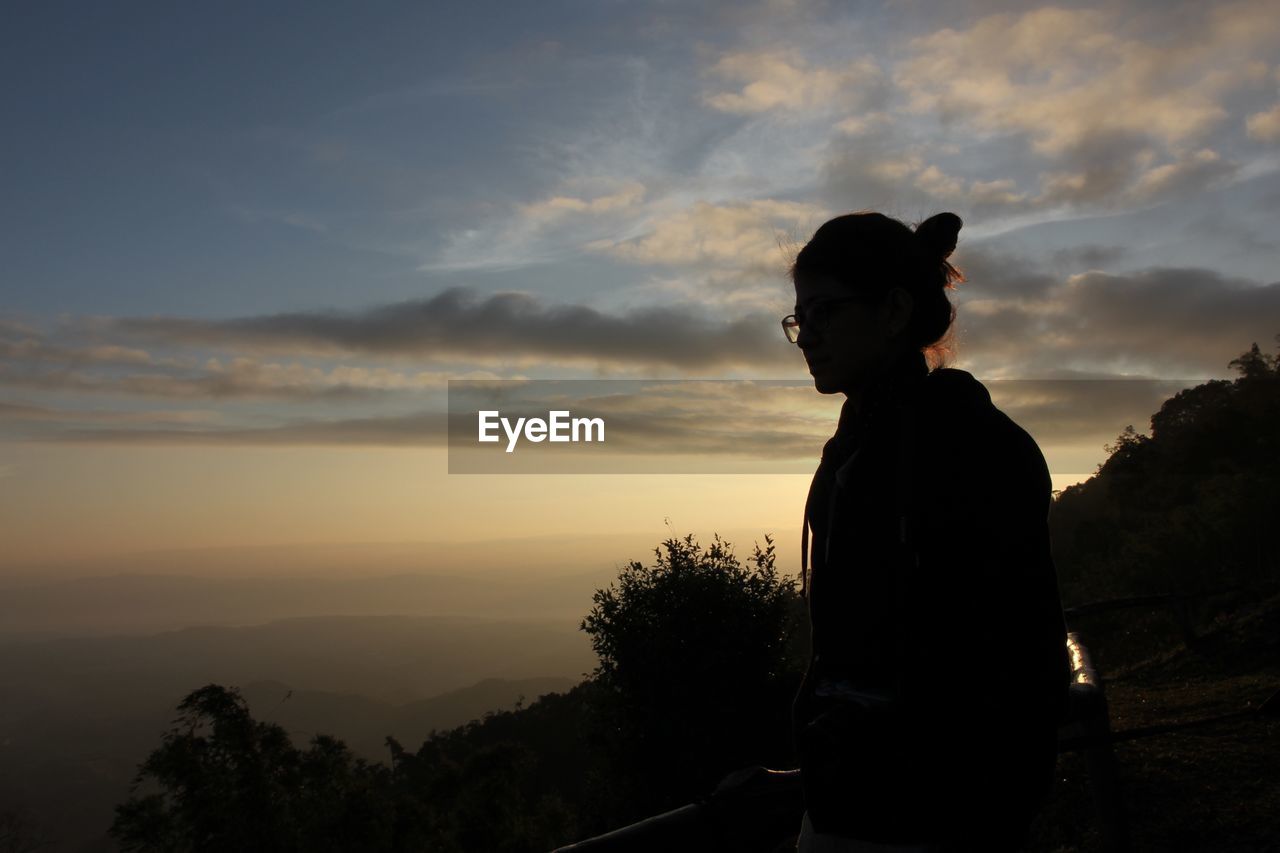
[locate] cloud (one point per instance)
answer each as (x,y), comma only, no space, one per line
(1081,412)
(1043,112)
(629,195)
(1087,257)
(883,168)
(32,348)
(991,274)
(774,81)
(741,236)
(13,412)
(23,421)
(867,122)
(882,172)
(994,194)
(874,171)
(209,386)
(1264,126)
(1158,322)
(416,430)
(1238,235)
(239,377)
(542,231)
(1054,109)
(38,364)
(1198,170)
(505,328)
(1066,76)
(1015,319)
(24,412)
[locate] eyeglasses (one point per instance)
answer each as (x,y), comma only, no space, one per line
(817,318)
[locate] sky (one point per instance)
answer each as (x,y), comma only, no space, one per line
(246,246)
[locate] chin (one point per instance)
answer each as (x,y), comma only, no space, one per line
(824,385)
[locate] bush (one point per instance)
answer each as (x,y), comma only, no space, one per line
(700,658)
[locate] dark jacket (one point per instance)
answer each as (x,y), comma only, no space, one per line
(939,670)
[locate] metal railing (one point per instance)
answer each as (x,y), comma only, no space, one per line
(763,811)
(762,808)
(1088,729)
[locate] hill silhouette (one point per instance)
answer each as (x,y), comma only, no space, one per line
(78,714)
(1188,507)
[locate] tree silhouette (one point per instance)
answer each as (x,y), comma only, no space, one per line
(1188,508)
(227,782)
(21,833)
(700,658)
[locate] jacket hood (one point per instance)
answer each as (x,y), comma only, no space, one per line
(902,375)
(943,394)
(951,387)
(953,403)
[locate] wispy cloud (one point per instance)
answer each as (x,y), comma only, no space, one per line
(45,414)
(733,237)
(30,346)
(775,81)
(1037,111)
(420,430)
(1065,76)
(558,206)
(37,363)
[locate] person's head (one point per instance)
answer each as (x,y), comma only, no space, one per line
(869,289)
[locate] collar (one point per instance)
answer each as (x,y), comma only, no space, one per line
(903,374)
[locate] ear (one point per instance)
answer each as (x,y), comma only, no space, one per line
(895,310)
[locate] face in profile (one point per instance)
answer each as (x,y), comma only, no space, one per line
(844,340)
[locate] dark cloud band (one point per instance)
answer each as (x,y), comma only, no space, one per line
(457,325)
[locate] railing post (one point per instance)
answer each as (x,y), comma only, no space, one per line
(1089,719)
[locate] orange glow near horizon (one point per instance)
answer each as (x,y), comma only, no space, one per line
(62,503)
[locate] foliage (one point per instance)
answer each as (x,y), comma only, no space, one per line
(1186,509)
(20,832)
(512,781)
(228,782)
(700,658)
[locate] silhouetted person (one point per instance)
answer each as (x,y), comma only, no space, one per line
(928,716)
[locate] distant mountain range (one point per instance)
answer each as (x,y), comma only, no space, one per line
(143,603)
(79,714)
(364,723)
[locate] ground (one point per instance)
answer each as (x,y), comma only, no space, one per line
(1215,788)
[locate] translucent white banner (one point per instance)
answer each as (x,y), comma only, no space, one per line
(744,426)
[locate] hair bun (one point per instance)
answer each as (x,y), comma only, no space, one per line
(939,233)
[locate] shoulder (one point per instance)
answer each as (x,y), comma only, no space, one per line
(952,403)
(957,416)
(957,401)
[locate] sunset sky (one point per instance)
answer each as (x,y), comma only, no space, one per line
(246,245)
